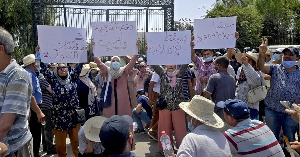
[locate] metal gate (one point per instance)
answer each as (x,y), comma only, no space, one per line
(150,15)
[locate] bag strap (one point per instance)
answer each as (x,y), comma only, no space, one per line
(116,96)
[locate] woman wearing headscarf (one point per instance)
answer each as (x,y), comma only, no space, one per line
(120,101)
(65,102)
(87,93)
(249,77)
(171,91)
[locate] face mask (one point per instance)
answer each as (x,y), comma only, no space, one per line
(190,126)
(276,56)
(116,65)
(92,71)
(288,64)
(171,73)
(207,59)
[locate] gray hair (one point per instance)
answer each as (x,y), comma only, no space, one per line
(7,41)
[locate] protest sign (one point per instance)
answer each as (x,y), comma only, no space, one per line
(215,33)
(169,48)
(62,44)
(116,38)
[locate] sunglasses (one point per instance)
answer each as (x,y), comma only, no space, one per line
(59,68)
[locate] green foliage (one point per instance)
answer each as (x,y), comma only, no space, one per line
(249,22)
(15,17)
(281,20)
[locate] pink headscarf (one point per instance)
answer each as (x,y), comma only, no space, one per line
(172,77)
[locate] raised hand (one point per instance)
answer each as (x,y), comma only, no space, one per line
(237,35)
(244,59)
(264,46)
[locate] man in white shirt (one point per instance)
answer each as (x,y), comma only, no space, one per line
(154,91)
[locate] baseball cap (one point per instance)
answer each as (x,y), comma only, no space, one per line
(140,91)
(292,50)
(114,130)
(237,108)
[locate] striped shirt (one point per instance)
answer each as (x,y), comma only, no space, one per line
(47,96)
(185,86)
(15,97)
(253,138)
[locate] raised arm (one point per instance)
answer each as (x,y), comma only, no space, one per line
(158,69)
(231,51)
(46,72)
(76,71)
(182,70)
(253,77)
(102,67)
(131,64)
(261,57)
(194,57)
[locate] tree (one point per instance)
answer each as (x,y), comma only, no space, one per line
(15,17)
(249,22)
(281,20)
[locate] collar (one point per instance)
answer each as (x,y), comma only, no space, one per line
(244,122)
(30,71)
(11,66)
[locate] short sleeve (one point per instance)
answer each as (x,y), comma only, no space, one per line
(140,100)
(18,96)
(210,88)
(155,78)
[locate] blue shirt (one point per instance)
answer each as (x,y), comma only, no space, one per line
(15,97)
(36,92)
(284,86)
(144,101)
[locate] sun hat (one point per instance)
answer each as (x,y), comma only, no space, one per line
(269,53)
(92,126)
(251,55)
(93,66)
(237,108)
(202,109)
(29,59)
(114,130)
(85,69)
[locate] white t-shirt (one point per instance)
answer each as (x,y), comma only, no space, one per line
(155,78)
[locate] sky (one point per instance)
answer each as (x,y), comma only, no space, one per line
(192,9)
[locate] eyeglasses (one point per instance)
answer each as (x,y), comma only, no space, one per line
(59,68)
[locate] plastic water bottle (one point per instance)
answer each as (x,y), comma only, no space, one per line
(166,144)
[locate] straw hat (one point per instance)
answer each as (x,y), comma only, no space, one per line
(93,66)
(92,128)
(253,56)
(85,69)
(202,109)
(29,59)
(269,53)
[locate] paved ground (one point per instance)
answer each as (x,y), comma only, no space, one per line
(145,147)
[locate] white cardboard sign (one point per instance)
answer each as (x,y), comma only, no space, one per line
(116,38)
(215,33)
(169,48)
(62,44)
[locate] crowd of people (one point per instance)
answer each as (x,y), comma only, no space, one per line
(207,107)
